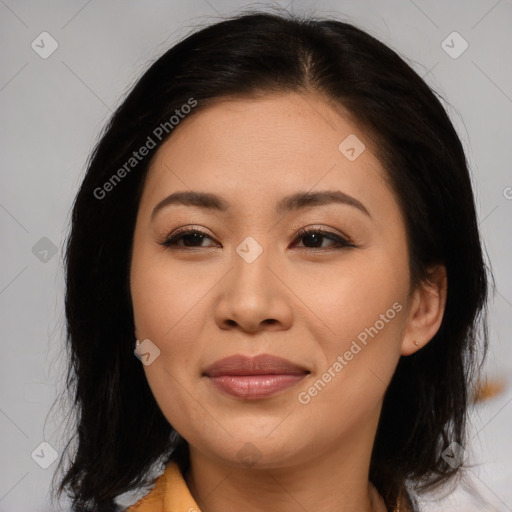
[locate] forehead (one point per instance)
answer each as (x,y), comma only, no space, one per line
(261,149)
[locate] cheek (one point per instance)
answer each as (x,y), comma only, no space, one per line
(168,303)
(354,293)
(359,353)
(363,305)
(167,311)
(165,296)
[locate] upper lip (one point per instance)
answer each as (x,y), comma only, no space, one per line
(263,364)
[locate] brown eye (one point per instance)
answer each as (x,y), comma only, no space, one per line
(190,237)
(315,237)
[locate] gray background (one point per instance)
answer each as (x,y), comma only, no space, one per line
(53,109)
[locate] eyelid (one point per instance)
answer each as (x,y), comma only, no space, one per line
(304,230)
(184,230)
(191,227)
(340,240)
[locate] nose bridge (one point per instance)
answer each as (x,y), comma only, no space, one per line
(251,295)
(250,266)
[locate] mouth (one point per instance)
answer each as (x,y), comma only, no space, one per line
(254,377)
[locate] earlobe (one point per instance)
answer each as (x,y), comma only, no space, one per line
(426,311)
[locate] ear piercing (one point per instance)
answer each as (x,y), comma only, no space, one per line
(417,343)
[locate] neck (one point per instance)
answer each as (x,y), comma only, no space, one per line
(331,481)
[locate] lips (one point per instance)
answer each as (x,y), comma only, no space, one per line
(254,377)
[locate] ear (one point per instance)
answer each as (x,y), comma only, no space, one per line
(426,310)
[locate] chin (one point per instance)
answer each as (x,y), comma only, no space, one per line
(256,449)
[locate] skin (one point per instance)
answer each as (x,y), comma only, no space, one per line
(204,302)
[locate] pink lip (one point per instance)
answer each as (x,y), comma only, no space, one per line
(254,377)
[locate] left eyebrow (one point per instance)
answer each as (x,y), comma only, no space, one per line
(311,199)
(295,201)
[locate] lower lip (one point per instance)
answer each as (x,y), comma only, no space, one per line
(253,387)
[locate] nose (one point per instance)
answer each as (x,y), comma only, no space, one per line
(254,296)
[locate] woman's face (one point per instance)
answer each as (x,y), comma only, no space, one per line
(333,304)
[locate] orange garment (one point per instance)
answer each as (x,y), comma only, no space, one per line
(169,494)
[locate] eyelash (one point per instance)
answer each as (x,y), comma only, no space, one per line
(341,243)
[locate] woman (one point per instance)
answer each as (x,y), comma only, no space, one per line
(279,222)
